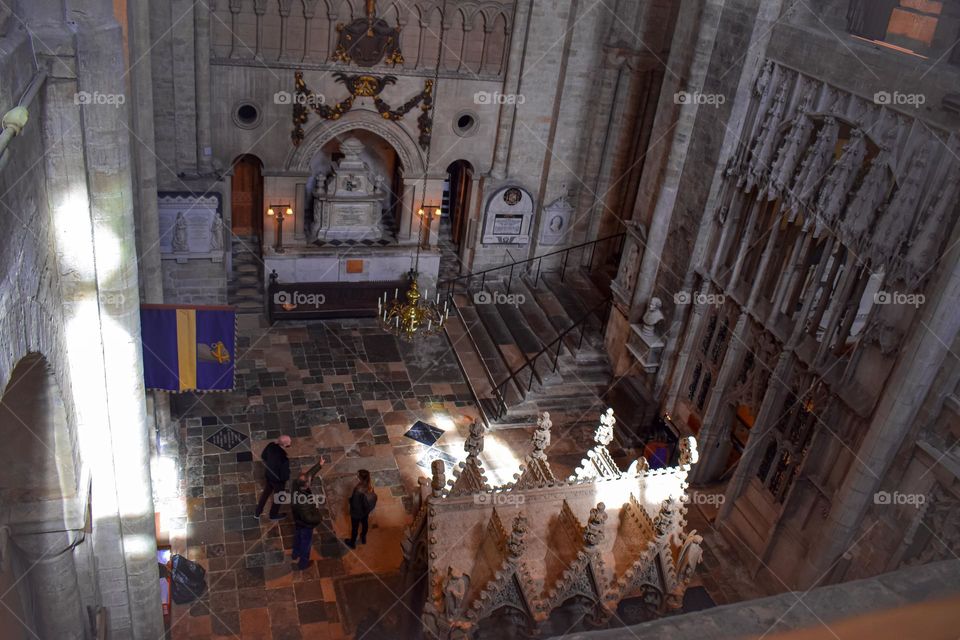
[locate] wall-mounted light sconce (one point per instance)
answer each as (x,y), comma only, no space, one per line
(280,212)
(427,213)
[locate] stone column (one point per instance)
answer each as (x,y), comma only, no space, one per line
(715,431)
(519,34)
(55,591)
(106,148)
(770,409)
(921,360)
(676,159)
(201,55)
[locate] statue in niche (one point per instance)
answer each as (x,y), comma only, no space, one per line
(593,532)
(651,318)
(180,234)
(454,590)
(216,234)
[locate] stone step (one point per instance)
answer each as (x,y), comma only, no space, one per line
(554,310)
(486,348)
(247,267)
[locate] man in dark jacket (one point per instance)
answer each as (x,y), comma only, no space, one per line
(306,515)
(277,473)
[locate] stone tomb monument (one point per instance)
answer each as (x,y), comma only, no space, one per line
(348,203)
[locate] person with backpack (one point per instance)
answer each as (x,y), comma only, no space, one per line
(275,459)
(363,500)
(306,515)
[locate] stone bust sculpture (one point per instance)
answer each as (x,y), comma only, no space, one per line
(651,318)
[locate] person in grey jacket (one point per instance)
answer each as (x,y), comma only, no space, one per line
(363,501)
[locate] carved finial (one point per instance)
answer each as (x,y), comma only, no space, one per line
(439,471)
(515,541)
(541,437)
(604,433)
(474,443)
(688,450)
(593,533)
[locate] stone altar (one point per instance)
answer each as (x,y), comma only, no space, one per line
(348,202)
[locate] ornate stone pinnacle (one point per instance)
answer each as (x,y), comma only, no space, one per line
(439,471)
(541,437)
(474,442)
(604,433)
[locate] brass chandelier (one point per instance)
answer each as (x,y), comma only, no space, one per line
(413,314)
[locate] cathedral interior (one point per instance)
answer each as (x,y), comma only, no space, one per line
(594,319)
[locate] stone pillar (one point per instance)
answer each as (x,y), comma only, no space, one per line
(519,35)
(100,67)
(52,575)
(676,159)
(921,360)
(715,431)
(770,409)
(201,55)
(407,232)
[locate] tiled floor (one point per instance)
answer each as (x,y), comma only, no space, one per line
(342,390)
(347,392)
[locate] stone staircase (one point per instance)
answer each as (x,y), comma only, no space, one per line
(496,331)
(245,290)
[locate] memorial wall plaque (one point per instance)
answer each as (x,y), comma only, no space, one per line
(191,226)
(507,225)
(509,217)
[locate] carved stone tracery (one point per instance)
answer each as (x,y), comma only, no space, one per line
(590,555)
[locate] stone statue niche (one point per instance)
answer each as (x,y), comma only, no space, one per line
(348,202)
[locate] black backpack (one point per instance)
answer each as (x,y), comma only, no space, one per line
(189,580)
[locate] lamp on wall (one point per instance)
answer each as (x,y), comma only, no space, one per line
(280,212)
(427,213)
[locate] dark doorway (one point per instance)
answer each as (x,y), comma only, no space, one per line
(460,180)
(246,197)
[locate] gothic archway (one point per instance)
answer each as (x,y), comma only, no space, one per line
(38,478)
(315,138)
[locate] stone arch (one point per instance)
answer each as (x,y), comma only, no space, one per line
(40,463)
(326,130)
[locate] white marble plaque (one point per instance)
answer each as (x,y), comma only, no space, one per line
(187,225)
(509,216)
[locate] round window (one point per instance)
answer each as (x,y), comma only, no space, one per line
(246,115)
(465,124)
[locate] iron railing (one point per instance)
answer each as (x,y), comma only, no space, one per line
(601,311)
(451,283)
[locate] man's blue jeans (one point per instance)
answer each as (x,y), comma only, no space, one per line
(301,545)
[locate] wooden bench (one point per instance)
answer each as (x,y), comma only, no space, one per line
(323,300)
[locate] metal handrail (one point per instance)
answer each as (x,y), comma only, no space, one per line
(498,390)
(451,282)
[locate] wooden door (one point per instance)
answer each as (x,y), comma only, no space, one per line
(246,197)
